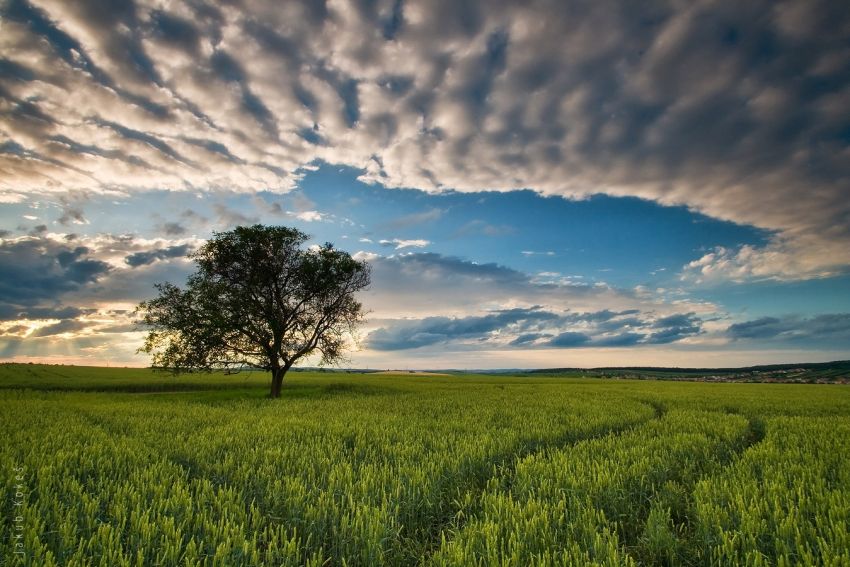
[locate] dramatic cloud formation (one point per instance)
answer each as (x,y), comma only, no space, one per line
(540,314)
(64,276)
(34,272)
(75,295)
(740,110)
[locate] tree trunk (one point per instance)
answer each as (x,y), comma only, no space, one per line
(277,381)
(278,373)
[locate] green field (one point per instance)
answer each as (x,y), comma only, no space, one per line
(120,467)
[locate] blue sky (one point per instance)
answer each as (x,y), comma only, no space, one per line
(624,184)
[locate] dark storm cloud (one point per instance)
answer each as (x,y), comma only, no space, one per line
(763,328)
(150,256)
(15,71)
(35,272)
(736,109)
(824,330)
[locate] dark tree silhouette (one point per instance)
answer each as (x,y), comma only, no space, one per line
(257,299)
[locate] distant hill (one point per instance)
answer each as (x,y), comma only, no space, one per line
(804,372)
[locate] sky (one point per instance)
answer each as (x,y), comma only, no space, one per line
(534,184)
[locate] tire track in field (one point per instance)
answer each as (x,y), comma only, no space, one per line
(422,543)
(456,517)
(680,511)
(682,514)
(630,534)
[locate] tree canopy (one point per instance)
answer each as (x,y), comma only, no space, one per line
(258,299)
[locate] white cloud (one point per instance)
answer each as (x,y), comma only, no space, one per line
(309,216)
(400,244)
(780,259)
(468,96)
(367,256)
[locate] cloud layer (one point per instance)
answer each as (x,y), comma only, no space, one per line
(426,299)
(740,110)
(537,328)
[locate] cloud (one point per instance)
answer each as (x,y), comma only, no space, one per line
(726,108)
(526,339)
(480,227)
(414,219)
(65,276)
(34,272)
(674,328)
(72,211)
(538,327)
(820,331)
(309,216)
(569,339)
(149,256)
(781,259)
(621,340)
(421,284)
(400,244)
(65,326)
(487,306)
(433,330)
(229,217)
(173,229)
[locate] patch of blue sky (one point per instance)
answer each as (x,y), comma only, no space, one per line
(624,241)
(768,298)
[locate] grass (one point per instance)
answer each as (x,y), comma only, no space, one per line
(130,467)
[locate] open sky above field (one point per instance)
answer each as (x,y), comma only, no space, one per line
(535,184)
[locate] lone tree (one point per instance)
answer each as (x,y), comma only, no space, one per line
(257,299)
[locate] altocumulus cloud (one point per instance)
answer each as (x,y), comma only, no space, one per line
(739,109)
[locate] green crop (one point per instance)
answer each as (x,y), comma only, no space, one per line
(123,467)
